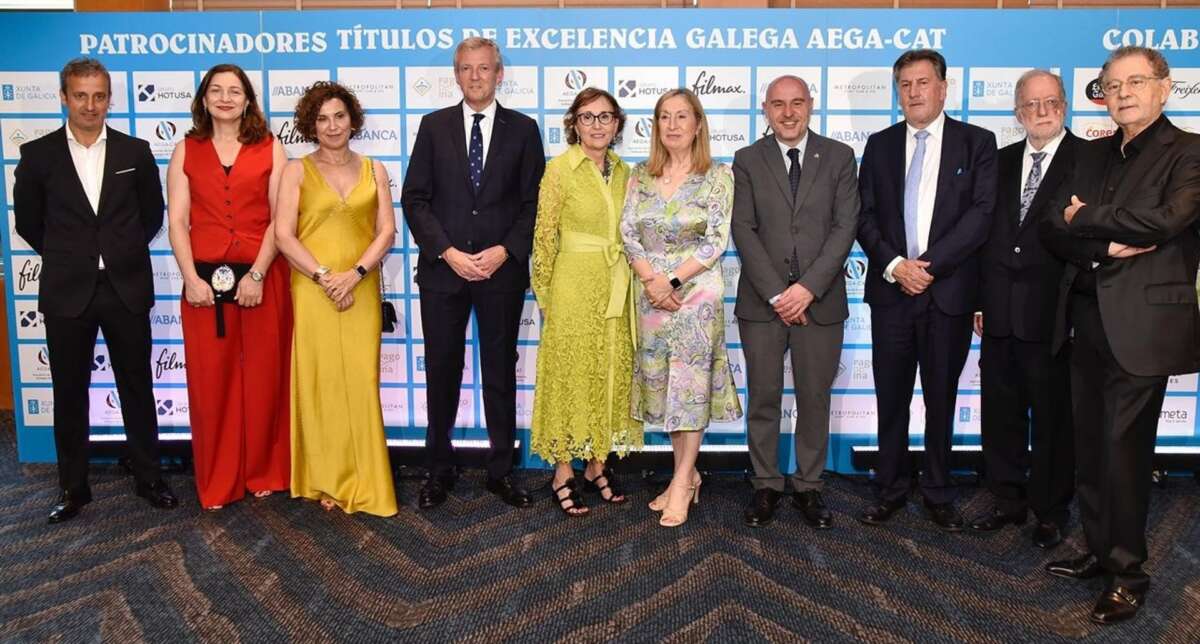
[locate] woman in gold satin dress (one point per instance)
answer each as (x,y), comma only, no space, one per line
(335,224)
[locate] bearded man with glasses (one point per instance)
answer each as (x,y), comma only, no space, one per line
(1021,380)
(1128,296)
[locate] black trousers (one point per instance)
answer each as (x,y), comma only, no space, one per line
(915,332)
(1116,421)
(1022,380)
(445,317)
(71,343)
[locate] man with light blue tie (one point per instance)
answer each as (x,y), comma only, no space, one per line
(928,188)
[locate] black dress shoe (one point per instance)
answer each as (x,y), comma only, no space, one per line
(1116,604)
(762,508)
(944,516)
(68,506)
(1085,567)
(996,519)
(509,493)
(812,508)
(433,491)
(158,494)
(1047,535)
(882,511)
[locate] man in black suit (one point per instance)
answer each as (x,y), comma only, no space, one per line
(470,198)
(88,199)
(1019,284)
(1127,228)
(928,187)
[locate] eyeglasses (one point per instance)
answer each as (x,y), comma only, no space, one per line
(1134,83)
(1051,104)
(587,118)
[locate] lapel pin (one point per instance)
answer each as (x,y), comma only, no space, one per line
(959,171)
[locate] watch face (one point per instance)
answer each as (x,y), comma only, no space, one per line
(223,279)
(256,276)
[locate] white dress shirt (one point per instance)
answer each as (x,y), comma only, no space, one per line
(485,126)
(1027,161)
(787,165)
(89,166)
(927,192)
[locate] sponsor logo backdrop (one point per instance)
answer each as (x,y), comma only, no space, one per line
(400,66)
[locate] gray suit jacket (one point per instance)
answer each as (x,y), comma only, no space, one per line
(820,224)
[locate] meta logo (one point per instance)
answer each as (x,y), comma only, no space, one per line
(1094,93)
(576,79)
(165,131)
(856,268)
(112,400)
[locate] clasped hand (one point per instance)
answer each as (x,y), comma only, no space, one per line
(339,287)
(477,267)
(660,293)
(792,305)
(912,277)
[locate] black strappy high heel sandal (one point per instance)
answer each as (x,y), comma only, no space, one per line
(572,501)
(593,486)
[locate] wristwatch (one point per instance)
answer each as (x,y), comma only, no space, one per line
(362,272)
(319,273)
(675,281)
(255,275)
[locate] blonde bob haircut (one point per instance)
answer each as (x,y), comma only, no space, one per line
(701,154)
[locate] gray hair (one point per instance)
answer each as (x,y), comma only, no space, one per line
(1035,73)
(475,42)
(81,67)
(1157,61)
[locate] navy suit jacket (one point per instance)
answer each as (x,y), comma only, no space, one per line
(442,209)
(966,197)
(1019,281)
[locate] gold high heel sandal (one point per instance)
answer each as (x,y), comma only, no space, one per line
(660,501)
(673,519)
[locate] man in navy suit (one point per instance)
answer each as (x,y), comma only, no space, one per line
(470,198)
(1019,287)
(928,188)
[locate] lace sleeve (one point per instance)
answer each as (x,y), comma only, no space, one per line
(546,234)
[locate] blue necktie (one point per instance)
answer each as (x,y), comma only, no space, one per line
(475,152)
(912,187)
(1031,185)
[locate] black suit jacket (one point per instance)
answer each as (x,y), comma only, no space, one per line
(1147,302)
(54,216)
(1019,285)
(966,197)
(442,209)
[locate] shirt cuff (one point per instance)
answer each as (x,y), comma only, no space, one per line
(775,299)
(887,272)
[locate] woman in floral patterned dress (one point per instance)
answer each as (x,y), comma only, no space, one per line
(675,227)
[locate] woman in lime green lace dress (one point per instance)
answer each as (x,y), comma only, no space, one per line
(581,407)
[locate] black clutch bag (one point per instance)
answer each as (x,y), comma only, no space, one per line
(389,317)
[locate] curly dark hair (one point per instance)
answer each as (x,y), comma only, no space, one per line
(584,97)
(309,106)
(253,127)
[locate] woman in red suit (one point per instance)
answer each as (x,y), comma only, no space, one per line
(237,310)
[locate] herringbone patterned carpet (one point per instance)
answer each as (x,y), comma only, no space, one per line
(279,569)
